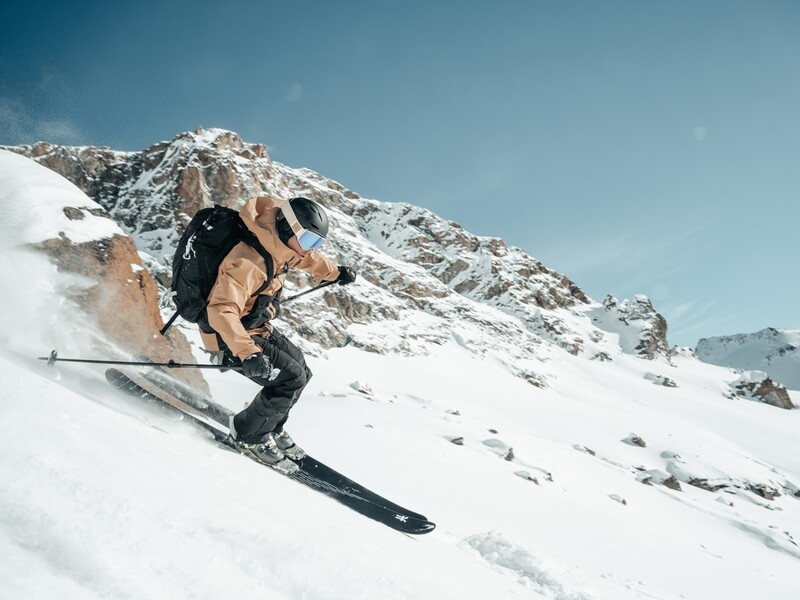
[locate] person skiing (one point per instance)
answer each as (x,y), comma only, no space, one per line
(237,331)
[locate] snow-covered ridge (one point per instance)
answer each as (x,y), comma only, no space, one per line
(774,351)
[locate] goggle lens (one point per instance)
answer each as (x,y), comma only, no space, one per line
(309,240)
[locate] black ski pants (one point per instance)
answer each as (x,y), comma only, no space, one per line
(269,410)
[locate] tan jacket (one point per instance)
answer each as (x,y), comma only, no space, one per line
(243,271)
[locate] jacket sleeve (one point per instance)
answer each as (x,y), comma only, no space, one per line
(318,266)
(236,281)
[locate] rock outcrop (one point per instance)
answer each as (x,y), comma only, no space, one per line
(642,331)
(117,297)
(756,385)
(123,299)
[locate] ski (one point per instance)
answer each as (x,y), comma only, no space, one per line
(155,386)
(164,380)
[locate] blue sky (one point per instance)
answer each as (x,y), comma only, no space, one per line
(635,146)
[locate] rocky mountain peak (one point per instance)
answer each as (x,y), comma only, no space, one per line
(430,278)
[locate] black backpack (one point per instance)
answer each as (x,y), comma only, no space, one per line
(210,236)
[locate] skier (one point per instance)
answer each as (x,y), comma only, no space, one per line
(238,333)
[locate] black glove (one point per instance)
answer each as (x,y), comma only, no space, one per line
(256,365)
(346,275)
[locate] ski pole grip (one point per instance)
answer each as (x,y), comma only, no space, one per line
(51,360)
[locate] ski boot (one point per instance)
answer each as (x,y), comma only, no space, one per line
(266,452)
(286,444)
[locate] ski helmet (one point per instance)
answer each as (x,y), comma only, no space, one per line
(304,218)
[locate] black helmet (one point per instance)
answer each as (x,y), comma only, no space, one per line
(310,216)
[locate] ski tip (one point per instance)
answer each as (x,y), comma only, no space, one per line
(413,526)
(112,375)
(427,528)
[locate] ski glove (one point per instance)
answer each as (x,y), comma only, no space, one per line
(346,275)
(256,365)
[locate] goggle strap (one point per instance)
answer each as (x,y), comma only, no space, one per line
(291,218)
(297,228)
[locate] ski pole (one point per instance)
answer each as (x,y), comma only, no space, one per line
(314,289)
(53,358)
(172,319)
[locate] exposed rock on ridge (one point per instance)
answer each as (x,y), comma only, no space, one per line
(642,331)
(483,269)
(756,385)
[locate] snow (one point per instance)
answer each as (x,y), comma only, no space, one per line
(113,499)
(103,496)
(34,198)
(128,505)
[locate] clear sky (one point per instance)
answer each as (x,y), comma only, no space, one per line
(637,146)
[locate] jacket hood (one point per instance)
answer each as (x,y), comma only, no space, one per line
(260,215)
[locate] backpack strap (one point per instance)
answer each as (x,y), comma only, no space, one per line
(163,330)
(249,238)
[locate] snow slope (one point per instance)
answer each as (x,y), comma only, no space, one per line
(602,484)
(126,505)
(106,498)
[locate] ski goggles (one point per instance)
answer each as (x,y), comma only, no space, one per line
(307,239)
